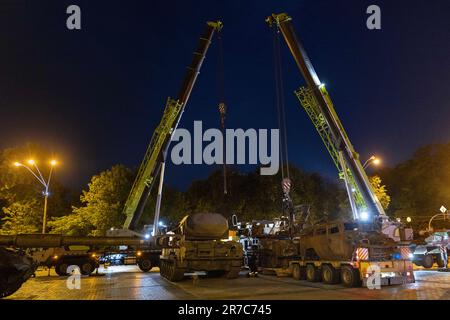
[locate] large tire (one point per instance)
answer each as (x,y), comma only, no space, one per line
(329,274)
(86,267)
(312,273)
(296,272)
(350,277)
(233,273)
(145,265)
(428,261)
(442,261)
(61,269)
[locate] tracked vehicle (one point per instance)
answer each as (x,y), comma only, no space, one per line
(198,245)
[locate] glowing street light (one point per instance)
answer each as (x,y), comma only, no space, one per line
(376,161)
(41,179)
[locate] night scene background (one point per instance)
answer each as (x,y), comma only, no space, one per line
(93,97)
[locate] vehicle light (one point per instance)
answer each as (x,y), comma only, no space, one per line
(139,253)
(410,256)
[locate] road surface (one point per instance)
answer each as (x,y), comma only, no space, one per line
(127,282)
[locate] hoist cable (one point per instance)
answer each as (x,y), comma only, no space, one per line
(222,108)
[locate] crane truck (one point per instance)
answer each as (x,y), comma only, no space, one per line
(341,251)
(16,267)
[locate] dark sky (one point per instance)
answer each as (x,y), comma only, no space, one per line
(95,96)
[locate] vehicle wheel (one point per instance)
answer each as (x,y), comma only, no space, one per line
(145,265)
(427,261)
(86,268)
(233,273)
(329,274)
(441,261)
(350,277)
(312,273)
(296,274)
(61,269)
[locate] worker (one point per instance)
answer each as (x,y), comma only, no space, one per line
(253,262)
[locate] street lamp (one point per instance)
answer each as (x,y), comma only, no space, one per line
(376,161)
(41,179)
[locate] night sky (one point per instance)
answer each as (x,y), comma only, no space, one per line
(95,96)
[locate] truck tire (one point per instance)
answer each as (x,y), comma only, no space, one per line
(312,273)
(86,267)
(441,261)
(350,277)
(329,274)
(428,261)
(145,265)
(296,272)
(61,269)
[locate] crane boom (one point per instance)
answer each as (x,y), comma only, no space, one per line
(317,103)
(156,152)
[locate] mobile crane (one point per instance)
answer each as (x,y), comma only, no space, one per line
(16,266)
(340,250)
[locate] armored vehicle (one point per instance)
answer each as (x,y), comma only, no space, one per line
(200,243)
(15,269)
(340,251)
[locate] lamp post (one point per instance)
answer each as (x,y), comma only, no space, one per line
(41,179)
(372,159)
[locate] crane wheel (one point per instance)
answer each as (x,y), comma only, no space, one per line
(329,274)
(427,261)
(312,273)
(350,277)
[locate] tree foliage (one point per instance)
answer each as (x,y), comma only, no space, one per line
(380,191)
(102,204)
(420,186)
(21,197)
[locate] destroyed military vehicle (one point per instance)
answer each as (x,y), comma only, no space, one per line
(200,243)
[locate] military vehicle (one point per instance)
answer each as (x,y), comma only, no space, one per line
(431,249)
(340,251)
(15,269)
(200,243)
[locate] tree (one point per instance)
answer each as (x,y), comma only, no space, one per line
(420,185)
(380,191)
(102,205)
(21,196)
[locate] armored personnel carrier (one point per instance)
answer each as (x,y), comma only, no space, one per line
(199,243)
